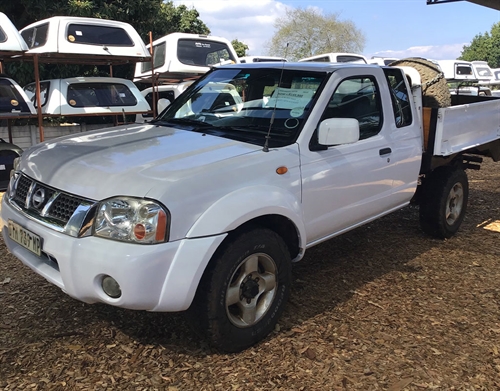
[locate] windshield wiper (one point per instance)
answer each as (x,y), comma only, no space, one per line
(187,121)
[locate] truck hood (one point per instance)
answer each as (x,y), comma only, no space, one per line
(126,160)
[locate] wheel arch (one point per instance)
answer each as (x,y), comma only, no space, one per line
(264,206)
(280,224)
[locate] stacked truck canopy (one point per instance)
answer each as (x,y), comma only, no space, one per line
(457,70)
(91,40)
(88,95)
(337,57)
(181,56)
(11,43)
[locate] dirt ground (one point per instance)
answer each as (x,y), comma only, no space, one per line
(383,307)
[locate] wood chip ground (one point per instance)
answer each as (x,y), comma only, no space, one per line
(383,307)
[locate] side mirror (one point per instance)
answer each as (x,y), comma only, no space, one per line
(338,131)
(163,103)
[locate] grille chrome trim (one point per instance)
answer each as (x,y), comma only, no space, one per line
(27,202)
(62,212)
(49,204)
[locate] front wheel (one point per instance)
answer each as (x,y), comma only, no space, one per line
(444,202)
(243,291)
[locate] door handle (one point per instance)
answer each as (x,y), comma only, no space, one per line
(384,151)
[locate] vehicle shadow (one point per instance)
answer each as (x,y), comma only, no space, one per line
(329,275)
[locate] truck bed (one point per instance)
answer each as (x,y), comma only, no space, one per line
(471,124)
(467,125)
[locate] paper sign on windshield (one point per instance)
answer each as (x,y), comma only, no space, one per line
(290,98)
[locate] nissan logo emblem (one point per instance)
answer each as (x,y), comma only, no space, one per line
(38,198)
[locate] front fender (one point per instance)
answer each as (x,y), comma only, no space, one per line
(243,205)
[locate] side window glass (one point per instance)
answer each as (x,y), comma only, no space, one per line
(36,36)
(100,95)
(3,37)
(159,53)
(357,98)
(30,91)
(98,35)
(202,53)
(10,99)
(399,96)
(170,95)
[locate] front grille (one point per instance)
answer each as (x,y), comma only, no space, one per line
(23,185)
(45,203)
(64,207)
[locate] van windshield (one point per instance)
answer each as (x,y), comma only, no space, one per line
(248,104)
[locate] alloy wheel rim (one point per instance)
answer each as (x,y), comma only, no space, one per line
(252,290)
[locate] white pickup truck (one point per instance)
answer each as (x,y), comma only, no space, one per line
(206,208)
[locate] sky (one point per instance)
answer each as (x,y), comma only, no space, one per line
(392,28)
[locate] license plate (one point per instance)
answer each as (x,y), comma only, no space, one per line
(25,238)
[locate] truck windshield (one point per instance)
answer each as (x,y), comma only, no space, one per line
(249,104)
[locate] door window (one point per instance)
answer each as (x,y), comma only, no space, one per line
(357,98)
(399,96)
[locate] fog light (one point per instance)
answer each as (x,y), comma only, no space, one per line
(111,287)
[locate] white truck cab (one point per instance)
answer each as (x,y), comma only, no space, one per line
(204,209)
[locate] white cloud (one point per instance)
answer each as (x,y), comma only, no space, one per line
(251,22)
(437,52)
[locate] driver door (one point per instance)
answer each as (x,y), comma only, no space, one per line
(344,186)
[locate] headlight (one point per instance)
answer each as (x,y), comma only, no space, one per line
(15,166)
(133,220)
(16,162)
(11,188)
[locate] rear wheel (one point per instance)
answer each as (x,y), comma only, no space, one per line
(243,291)
(444,202)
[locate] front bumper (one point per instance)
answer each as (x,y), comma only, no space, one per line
(160,277)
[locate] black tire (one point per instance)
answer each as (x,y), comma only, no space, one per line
(243,291)
(444,202)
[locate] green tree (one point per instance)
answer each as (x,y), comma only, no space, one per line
(159,17)
(145,16)
(484,47)
(239,47)
(306,32)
